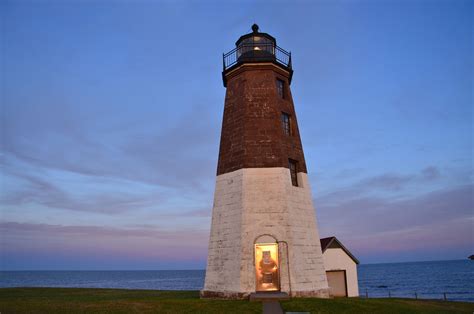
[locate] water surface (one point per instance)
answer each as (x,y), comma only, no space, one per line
(429,280)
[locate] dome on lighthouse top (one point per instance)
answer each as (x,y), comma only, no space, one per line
(255,37)
(256,46)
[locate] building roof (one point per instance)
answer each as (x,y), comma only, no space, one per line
(255,32)
(333,242)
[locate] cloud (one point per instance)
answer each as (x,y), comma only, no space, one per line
(184,155)
(49,230)
(396,182)
(40,191)
(42,246)
(147,167)
(179,152)
(386,184)
(368,214)
(430,173)
(199,213)
(439,219)
(386,181)
(142,240)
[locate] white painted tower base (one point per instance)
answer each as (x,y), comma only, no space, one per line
(252,205)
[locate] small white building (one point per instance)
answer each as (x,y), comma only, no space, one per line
(341,268)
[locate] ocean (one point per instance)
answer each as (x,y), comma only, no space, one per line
(428,280)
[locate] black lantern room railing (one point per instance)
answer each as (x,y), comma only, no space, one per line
(256,47)
(258,53)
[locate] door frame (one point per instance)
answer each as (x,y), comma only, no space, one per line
(345,280)
(276,244)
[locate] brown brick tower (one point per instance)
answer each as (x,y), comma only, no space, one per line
(264,234)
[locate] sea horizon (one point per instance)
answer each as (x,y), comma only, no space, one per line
(203,269)
(416,279)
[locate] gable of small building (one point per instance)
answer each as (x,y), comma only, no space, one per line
(338,258)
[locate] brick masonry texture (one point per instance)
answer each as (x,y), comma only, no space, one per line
(252,135)
(251,203)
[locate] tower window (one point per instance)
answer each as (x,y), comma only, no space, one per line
(281,88)
(286,123)
(293,171)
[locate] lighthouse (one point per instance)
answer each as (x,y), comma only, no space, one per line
(264,236)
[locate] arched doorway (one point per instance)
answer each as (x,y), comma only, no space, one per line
(267,272)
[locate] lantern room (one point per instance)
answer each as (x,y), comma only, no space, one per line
(256,47)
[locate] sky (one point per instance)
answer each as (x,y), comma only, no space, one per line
(111,114)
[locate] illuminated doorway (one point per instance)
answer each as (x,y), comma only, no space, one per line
(266,267)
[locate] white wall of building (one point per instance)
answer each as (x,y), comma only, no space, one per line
(337,259)
(252,202)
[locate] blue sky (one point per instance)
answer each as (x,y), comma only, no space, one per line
(111,115)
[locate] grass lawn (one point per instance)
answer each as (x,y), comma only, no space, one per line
(356,305)
(72,300)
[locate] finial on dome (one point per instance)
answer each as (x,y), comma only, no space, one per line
(255,28)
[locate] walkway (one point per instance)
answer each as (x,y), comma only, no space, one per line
(272,307)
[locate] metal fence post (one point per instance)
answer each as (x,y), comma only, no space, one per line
(416,295)
(445,296)
(366,293)
(389,294)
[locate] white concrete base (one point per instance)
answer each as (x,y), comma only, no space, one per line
(251,203)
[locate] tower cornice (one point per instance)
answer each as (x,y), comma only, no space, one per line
(228,75)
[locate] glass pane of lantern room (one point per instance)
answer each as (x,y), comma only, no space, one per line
(266,267)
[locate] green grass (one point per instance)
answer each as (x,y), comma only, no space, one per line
(356,305)
(73,300)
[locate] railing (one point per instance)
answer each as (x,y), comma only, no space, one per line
(415,295)
(255,53)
